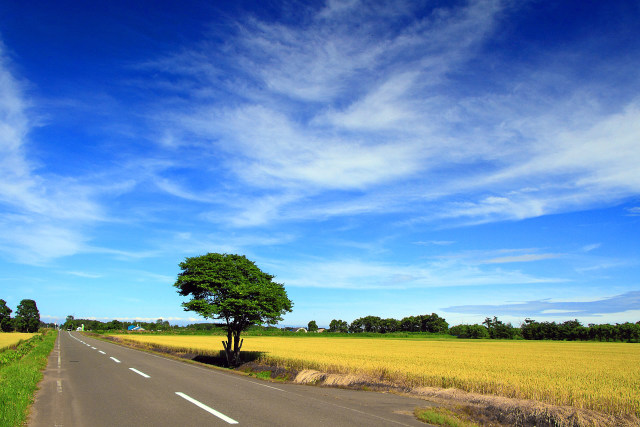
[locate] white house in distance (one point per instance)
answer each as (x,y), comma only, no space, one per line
(295,329)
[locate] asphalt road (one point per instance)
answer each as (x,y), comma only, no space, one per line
(94,383)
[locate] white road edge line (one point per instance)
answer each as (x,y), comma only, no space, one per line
(114,359)
(139,373)
(206,408)
(267,386)
(102,352)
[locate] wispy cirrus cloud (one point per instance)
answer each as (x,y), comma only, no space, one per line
(84,274)
(317,110)
(591,247)
(360,274)
(38,219)
(320,107)
(497,256)
(435,242)
(519,258)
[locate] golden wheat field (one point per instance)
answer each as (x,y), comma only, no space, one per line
(8,339)
(600,376)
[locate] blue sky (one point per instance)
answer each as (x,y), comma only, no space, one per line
(380,158)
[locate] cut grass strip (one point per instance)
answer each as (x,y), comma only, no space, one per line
(443,417)
(19,379)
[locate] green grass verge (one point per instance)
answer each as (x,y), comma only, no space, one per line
(444,417)
(20,372)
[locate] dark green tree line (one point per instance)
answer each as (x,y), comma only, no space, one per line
(424,323)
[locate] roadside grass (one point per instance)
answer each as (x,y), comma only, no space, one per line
(263,375)
(20,371)
(444,417)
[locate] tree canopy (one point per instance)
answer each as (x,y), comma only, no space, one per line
(27,316)
(338,325)
(5,317)
(231,288)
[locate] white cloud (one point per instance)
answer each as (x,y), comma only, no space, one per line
(591,247)
(435,242)
(553,311)
(358,274)
(42,216)
(618,306)
(520,258)
(324,105)
(388,106)
(320,107)
(600,153)
(177,190)
(84,275)
(635,211)
(271,150)
(356,109)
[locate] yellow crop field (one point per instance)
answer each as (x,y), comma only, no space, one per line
(8,339)
(601,376)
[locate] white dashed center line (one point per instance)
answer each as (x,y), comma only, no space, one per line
(184,396)
(139,373)
(206,408)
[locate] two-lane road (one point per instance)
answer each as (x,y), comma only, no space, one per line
(94,383)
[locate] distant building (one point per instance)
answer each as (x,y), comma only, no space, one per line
(295,329)
(135,328)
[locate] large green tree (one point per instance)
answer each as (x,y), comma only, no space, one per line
(338,325)
(231,288)
(5,317)
(27,316)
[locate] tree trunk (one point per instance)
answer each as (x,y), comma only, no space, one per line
(228,350)
(237,345)
(232,351)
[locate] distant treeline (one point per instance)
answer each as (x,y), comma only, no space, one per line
(571,330)
(491,328)
(113,325)
(425,323)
